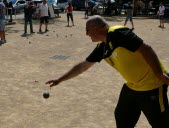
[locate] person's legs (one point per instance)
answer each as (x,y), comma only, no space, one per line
(131,20)
(2,31)
(0,34)
(31,26)
(162,21)
(86,12)
(46,27)
(3,35)
(40,25)
(68,14)
(1,28)
(161,18)
(154,105)
(25,26)
(10,14)
(127,111)
(71,17)
(126,20)
(46,23)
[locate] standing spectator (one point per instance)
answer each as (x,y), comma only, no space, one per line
(2,22)
(69,11)
(6,6)
(161,15)
(10,11)
(29,10)
(129,11)
(9,8)
(86,8)
(43,14)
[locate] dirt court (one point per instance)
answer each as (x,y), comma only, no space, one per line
(87,101)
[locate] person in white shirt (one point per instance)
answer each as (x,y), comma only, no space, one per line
(43,14)
(86,8)
(161,15)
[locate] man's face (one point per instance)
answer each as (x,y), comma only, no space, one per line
(92,32)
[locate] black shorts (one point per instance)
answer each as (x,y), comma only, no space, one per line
(44,19)
(153,103)
(161,17)
(69,15)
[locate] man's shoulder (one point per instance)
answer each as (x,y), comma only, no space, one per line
(161,7)
(2,6)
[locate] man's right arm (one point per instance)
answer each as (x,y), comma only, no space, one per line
(75,71)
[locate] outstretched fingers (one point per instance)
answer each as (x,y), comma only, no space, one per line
(53,82)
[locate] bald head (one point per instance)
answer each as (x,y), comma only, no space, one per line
(97,28)
(97,21)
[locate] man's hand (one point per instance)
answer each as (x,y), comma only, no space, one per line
(53,82)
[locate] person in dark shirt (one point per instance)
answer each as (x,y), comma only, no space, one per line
(129,11)
(29,10)
(9,8)
(10,11)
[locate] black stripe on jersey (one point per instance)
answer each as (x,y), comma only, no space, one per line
(124,37)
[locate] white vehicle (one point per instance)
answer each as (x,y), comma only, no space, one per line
(18,5)
(62,4)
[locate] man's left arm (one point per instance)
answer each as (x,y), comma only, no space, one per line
(152,59)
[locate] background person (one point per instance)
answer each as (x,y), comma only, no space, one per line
(2,22)
(129,15)
(69,11)
(161,15)
(9,9)
(146,86)
(86,8)
(43,14)
(29,10)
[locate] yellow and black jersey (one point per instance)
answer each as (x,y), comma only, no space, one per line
(120,51)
